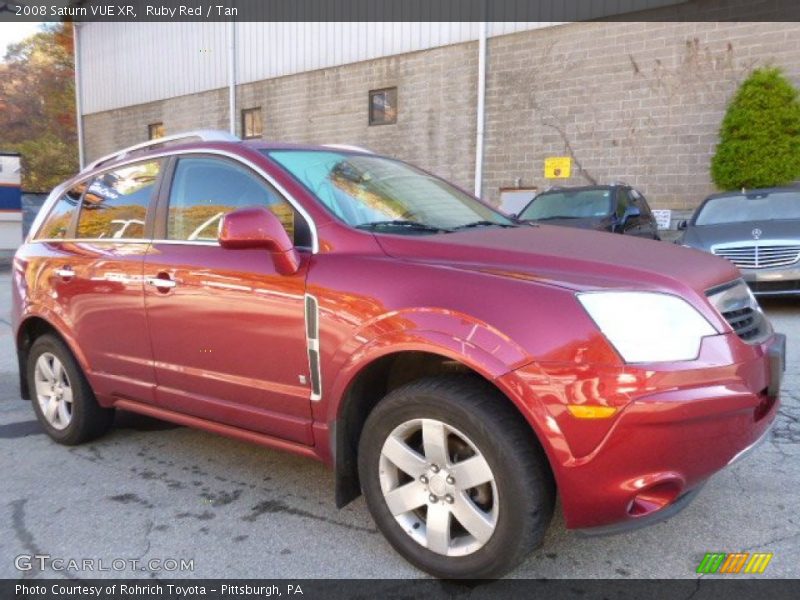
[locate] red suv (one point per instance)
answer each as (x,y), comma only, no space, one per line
(456,368)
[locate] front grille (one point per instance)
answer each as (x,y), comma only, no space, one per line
(740,309)
(759,255)
(745,322)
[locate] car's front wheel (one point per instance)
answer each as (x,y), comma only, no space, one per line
(454,478)
(62,398)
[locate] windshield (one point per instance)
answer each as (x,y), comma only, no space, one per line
(576,204)
(750,207)
(371,192)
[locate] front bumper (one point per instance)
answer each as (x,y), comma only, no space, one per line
(781,281)
(668,511)
(676,426)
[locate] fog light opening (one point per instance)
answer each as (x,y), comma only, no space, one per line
(654,498)
(764,406)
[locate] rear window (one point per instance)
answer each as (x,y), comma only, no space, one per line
(57,223)
(115,205)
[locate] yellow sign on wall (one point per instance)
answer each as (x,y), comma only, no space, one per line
(557,167)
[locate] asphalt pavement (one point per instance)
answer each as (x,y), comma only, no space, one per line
(149,495)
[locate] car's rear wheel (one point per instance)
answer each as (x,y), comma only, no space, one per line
(454,478)
(62,398)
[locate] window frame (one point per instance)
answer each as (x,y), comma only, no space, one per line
(147,235)
(69,234)
(151,126)
(371,121)
(169,157)
(622,193)
(641,203)
(252,111)
(161,216)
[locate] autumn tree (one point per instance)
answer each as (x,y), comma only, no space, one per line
(37,106)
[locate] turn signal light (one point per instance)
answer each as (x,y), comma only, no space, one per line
(580,411)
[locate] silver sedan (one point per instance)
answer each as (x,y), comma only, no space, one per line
(757,230)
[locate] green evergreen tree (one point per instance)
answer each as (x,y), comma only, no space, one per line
(760,135)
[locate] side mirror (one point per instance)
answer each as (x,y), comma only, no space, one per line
(631,212)
(258,227)
(683,225)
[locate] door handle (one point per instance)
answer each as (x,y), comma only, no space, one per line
(65,272)
(162,282)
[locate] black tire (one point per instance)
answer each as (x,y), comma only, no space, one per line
(88,420)
(521,473)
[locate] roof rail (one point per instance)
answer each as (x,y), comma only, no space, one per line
(204,135)
(348,147)
(622,183)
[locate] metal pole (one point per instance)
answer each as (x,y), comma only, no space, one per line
(232,76)
(481,109)
(78,92)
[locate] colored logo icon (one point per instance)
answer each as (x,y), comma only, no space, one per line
(734,563)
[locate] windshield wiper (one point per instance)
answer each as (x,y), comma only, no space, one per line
(483,224)
(400,224)
(555,217)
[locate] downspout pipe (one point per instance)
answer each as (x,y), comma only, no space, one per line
(232,76)
(76,49)
(481,119)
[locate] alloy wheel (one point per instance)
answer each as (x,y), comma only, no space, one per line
(439,487)
(53,391)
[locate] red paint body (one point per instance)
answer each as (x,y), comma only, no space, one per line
(224,349)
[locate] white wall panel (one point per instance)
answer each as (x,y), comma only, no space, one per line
(124,64)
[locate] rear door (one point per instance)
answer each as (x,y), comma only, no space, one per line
(96,278)
(227,330)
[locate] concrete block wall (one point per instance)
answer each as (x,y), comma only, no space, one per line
(640,102)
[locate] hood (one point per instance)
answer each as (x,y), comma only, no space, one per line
(596,223)
(706,236)
(572,258)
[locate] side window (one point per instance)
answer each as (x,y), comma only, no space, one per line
(641,203)
(205,189)
(56,225)
(115,205)
(623,201)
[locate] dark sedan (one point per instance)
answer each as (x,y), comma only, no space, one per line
(758,231)
(616,208)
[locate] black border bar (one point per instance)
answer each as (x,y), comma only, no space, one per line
(430,589)
(399,10)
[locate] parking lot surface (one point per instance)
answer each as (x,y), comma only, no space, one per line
(153,491)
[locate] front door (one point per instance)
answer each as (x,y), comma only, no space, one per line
(227,330)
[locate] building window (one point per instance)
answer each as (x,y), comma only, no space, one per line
(383,106)
(251,123)
(155,131)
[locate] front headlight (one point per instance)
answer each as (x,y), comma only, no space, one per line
(648,326)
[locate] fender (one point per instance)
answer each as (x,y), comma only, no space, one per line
(447,333)
(62,329)
(477,345)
